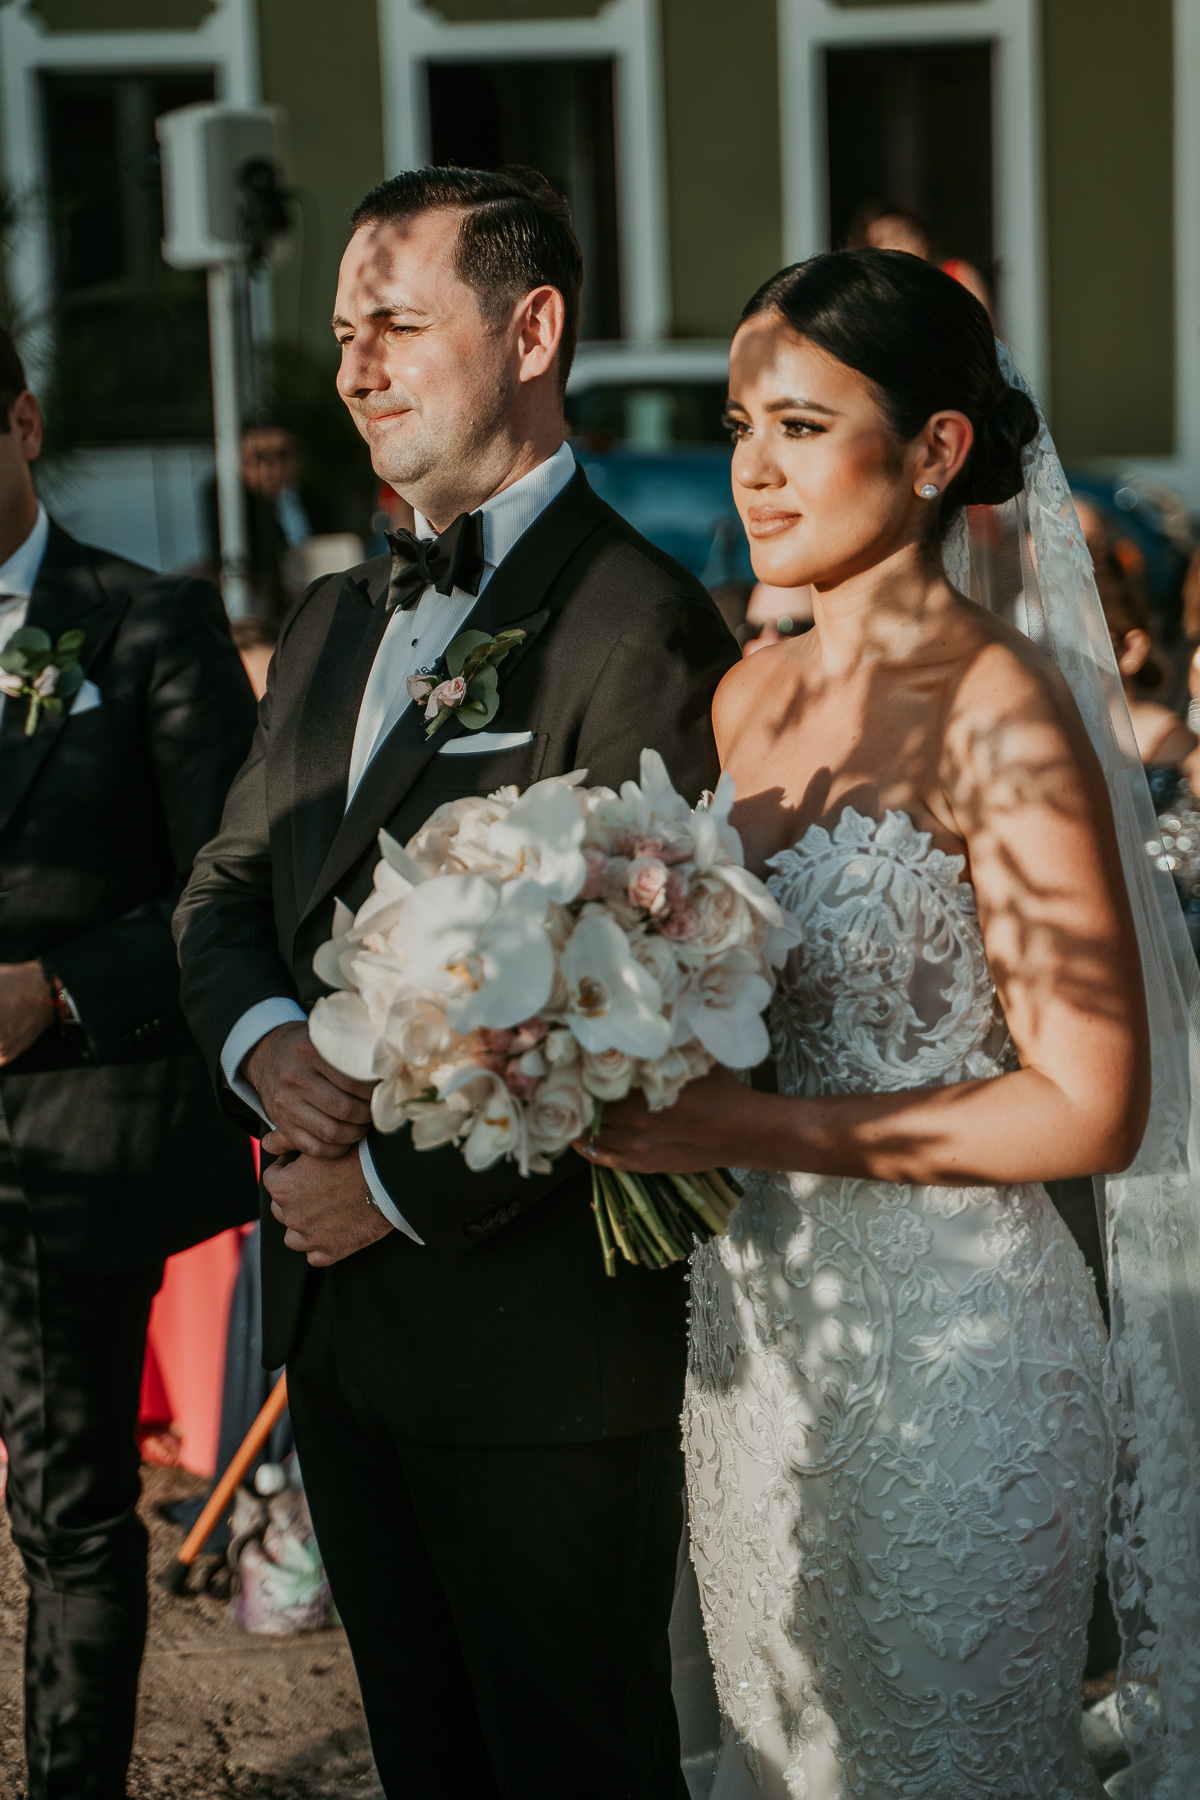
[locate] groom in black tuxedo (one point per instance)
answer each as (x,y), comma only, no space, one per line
(488,1425)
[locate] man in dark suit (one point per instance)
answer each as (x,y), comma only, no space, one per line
(112,1154)
(488,1425)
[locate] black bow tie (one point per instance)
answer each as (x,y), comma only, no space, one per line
(453,560)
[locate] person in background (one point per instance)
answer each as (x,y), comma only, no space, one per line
(775,614)
(113,1154)
(1165,743)
(282,512)
(885,225)
(255,639)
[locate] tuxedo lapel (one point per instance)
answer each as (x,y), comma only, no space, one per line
(325,732)
(67,594)
(512,600)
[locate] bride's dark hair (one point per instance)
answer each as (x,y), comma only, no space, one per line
(925,343)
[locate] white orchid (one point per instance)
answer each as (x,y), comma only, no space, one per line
(347,1034)
(722,1006)
(496,1128)
(484,947)
(542,837)
(613,1002)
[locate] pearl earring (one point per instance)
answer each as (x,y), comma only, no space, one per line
(928,492)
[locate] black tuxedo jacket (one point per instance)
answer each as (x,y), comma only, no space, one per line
(120,1150)
(502,1328)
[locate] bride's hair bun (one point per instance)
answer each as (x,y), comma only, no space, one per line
(927,346)
(993,472)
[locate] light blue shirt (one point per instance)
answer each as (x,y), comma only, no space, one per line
(413,640)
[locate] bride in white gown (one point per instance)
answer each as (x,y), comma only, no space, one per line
(898,1442)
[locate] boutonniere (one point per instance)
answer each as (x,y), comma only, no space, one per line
(46,674)
(470,688)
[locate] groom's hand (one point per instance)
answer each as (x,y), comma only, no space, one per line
(312,1106)
(324,1206)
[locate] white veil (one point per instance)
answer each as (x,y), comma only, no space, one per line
(1150,1215)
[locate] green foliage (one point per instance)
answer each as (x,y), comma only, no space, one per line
(474,656)
(44,673)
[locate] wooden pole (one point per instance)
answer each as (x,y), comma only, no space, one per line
(174,1578)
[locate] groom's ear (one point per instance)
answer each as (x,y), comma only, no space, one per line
(540,319)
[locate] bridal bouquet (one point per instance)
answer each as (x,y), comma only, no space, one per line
(528,957)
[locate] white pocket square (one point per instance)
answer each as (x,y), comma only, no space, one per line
(87,697)
(478,743)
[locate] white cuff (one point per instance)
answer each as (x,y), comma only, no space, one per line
(250,1029)
(382,1198)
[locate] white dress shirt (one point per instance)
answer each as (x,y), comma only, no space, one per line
(17,577)
(414,641)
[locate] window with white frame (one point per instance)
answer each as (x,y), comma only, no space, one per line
(932,106)
(578,98)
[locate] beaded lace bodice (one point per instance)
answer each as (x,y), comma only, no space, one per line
(891,988)
(896,1440)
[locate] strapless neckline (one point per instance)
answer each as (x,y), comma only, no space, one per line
(896,835)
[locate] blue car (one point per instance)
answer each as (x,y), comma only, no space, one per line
(646,424)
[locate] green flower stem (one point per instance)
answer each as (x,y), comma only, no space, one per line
(614,1219)
(640,1200)
(702,1202)
(606,1248)
(727,1189)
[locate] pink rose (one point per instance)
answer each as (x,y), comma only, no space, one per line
(597,867)
(447,693)
(522,1082)
(528,1036)
(487,1039)
(677,891)
(681,925)
(420,687)
(646,884)
(493,1060)
(648,846)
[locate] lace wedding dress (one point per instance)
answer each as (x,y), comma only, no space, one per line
(898,1452)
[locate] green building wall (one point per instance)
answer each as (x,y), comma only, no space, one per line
(321,64)
(721,79)
(1110,237)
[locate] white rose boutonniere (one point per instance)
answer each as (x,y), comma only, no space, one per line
(46,674)
(470,687)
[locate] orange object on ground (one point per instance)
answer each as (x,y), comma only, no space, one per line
(174,1577)
(185,1348)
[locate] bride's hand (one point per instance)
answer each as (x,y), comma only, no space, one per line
(704,1129)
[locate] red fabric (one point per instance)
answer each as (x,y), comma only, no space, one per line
(185,1347)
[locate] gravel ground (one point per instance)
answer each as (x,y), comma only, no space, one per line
(221,1713)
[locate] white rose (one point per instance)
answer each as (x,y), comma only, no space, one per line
(561,1112)
(608,1074)
(417,1031)
(559,1047)
(725,919)
(662,1080)
(656,955)
(453,839)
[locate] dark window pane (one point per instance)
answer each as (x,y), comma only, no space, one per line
(131,334)
(556,117)
(913,124)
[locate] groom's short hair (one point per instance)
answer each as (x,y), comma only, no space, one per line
(516,234)
(12,379)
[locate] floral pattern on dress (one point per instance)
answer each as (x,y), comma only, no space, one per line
(897,1442)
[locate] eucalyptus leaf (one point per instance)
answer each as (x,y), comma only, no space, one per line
(461,648)
(71,641)
(32,638)
(52,704)
(70,680)
(13,662)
